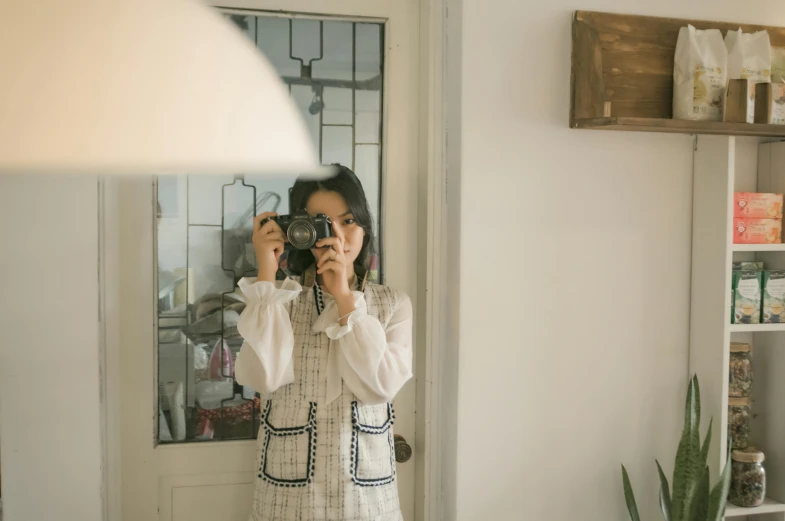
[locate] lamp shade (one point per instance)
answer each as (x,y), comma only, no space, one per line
(140,87)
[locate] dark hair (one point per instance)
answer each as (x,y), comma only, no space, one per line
(347,185)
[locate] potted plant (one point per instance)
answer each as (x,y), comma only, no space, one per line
(690,499)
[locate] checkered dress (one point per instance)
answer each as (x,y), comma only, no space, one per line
(320,461)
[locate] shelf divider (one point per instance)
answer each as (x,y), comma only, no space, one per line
(769,506)
(763,248)
(756,328)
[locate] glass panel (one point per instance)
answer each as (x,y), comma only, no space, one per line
(337,146)
(337,61)
(308,101)
(204,222)
(306,40)
(204,199)
(337,106)
(273,39)
(369,51)
(368,116)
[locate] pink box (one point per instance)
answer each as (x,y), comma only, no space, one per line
(757,231)
(761,206)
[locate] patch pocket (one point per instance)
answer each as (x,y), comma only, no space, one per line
(373,453)
(288,453)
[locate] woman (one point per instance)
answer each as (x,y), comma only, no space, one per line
(328,353)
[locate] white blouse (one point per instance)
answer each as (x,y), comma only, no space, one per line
(372,361)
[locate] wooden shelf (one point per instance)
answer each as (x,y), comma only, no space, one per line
(756,328)
(759,247)
(622,74)
(769,506)
(681,126)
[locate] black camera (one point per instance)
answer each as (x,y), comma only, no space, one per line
(301,230)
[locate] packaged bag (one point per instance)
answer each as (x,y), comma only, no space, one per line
(778,64)
(699,74)
(749,57)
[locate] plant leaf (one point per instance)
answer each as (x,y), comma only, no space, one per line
(719,494)
(706,443)
(687,470)
(665,494)
(700,501)
(697,414)
(629,496)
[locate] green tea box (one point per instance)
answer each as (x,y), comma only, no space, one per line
(747,296)
(773,296)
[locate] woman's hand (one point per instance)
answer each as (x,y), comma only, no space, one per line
(335,270)
(268,242)
(333,266)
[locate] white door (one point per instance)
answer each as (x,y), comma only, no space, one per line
(353,69)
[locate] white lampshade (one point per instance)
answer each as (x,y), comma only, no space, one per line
(140,87)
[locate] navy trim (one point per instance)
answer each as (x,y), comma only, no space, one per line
(372,429)
(357,429)
(270,432)
(319,297)
(289,431)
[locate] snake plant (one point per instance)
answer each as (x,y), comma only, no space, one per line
(690,499)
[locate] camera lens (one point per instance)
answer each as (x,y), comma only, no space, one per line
(301,234)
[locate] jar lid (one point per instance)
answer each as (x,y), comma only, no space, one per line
(740,347)
(748,455)
(739,402)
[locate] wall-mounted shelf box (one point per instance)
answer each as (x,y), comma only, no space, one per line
(622,75)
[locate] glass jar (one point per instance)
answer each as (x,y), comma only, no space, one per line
(740,372)
(739,416)
(748,478)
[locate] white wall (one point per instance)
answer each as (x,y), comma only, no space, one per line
(49,356)
(574,275)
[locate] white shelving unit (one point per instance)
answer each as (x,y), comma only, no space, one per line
(724,165)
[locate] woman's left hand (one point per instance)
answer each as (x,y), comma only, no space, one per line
(333,266)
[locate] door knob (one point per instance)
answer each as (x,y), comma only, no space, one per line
(403,451)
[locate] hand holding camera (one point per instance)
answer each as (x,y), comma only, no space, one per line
(333,266)
(274,234)
(269,244)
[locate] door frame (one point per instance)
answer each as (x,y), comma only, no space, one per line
(431,297)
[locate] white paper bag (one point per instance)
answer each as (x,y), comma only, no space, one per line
(749,57)
(699,74)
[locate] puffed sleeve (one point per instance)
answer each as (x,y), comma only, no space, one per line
(265,359)
(375,361)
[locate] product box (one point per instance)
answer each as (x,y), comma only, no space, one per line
(746,297)
(773,297)
(759,206)
(757,231)
(770,103)
(748,265)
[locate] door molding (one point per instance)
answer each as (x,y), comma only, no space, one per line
(431,297)
(109,346)
(433,208)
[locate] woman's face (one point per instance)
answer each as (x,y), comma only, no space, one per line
(333,205)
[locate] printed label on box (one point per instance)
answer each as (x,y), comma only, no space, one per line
(759,206)
(757,231)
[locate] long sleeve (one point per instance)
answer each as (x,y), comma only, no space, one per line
(265,360)
(374,362)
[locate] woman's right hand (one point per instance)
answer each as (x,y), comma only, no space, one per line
(268,242)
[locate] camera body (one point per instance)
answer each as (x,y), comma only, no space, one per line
(301,230)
